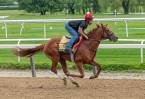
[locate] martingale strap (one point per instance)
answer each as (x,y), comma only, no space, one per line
(76,46)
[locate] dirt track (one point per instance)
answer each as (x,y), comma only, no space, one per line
(52,88)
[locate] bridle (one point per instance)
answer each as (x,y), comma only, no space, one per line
(102,35)
(108,34)
(97,41)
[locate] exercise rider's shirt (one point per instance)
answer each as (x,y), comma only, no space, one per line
(78,23)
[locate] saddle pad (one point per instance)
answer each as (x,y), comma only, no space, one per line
(64,40)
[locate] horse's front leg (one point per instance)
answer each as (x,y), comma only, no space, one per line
(81,71)
(81,75)
(96,69)
(69,76)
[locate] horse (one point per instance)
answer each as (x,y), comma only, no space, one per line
(85,54)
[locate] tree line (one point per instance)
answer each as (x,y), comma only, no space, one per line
(80,6)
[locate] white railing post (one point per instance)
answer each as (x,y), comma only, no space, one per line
(115,14)
(6,31)
(44,30)
(21,29)
(126,28)
(141,52)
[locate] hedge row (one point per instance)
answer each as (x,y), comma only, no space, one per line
(105,67)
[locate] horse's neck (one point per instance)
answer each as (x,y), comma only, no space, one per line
(94,40)
(95,34)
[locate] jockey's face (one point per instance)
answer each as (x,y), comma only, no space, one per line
(90,22)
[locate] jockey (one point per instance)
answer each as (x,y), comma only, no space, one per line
(76,28)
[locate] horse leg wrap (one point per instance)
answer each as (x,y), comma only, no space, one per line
(59,76)
(94,70)
(73,81)
(63,78)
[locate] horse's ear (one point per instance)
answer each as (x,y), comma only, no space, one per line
(97,25)
(106,25)
(102,25)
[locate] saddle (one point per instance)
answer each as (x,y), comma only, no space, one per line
(65,39)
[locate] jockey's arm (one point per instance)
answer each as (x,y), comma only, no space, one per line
(81,31)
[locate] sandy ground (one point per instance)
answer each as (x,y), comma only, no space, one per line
(20,85)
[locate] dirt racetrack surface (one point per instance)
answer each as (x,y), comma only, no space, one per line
(52,88)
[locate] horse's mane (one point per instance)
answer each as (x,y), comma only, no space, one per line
(91,32)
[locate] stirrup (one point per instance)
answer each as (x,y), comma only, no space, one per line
(68,51)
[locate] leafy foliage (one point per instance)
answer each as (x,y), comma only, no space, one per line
(78,6)
(39,6)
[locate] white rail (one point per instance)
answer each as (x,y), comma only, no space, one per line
(44,21)
(65,20)
(110,46)
(141,46)
(3,17)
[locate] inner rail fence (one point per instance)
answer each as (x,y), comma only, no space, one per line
(141,46)
(44,21)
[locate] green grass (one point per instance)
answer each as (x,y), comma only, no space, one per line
(111,59)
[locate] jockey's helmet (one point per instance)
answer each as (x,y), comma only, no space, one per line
(88,16)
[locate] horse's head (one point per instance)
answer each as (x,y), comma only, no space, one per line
(107,33)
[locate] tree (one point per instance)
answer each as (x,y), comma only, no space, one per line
(81,6)
(39,6)
(95,6)
(125,5)
(103,5)
(33,6)
(71,6)
(6,2)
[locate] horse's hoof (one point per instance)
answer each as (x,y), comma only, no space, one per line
(64,81)
(92,77)
(75,83)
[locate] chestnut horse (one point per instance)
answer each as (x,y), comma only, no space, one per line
(84,55)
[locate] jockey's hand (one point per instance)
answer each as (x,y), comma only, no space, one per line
(86,37)
(81,31)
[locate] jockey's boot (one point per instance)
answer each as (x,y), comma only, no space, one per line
(68,50)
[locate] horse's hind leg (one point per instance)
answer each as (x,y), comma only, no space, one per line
(54,70)
(54,66)
(65,69)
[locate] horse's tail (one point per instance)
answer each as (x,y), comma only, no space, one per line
(29,51)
